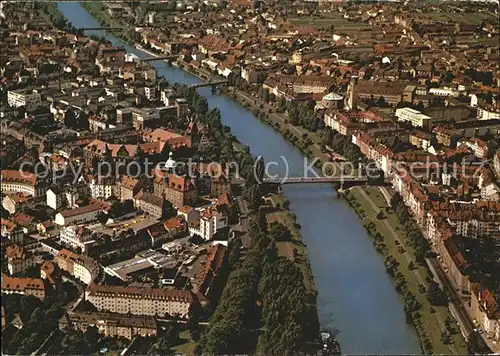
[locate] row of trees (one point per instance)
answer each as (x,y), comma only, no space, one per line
(265,307)
(51,10)
(341,144)
(415,237)
(304,115)
(290,323)
(236,318)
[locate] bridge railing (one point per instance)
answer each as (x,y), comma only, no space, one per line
(290,180)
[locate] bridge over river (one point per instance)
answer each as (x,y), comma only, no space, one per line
(309,180)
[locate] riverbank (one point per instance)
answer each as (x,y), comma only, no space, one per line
(435,325)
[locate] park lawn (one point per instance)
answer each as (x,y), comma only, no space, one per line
(186,347)
(287,248)
(429,320)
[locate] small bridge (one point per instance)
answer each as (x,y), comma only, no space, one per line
(100,28)
(210,84)
(309,180)
(150,59)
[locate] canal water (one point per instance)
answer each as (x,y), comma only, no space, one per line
(355,294)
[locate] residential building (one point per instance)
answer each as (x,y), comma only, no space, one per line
(444,92)
(15,201)
(175,227)
(18,98)
(81,267)
(80,215)
(178,190)
(76,236)
(23,286)
(140,301)
(19,259)
(54,198)
(188,213)
(478,146)
(253,74)
(129,188)
(208,279)
(212,219)
(15,181)
(488,112)
(486,311)
(110,325)
(392,92)
(49,272)
(450,249)
(496,163)
(416,118)
(149,203)
(104,188)
(12,231)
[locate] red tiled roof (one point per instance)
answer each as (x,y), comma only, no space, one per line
(18,176)
(82,210)
(20,284)
(171,294)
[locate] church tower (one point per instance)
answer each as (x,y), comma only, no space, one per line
(352,95)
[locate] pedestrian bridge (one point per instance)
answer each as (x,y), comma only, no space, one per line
(309,180)
(158,58)
(100,28)
(209,84)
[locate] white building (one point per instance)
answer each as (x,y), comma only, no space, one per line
(490,192)
(484,113)
(496,163)
(81,215)
(140,301)
(444,92)
(103,190)
(150,93)
(80,266)
(71,196)
(210,222)
(415,117)
(54,198)
(83,272)
(18,98)
(75,236)
(14,181)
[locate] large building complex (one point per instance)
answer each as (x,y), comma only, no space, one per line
(109,324)
(414,117)
(140,301)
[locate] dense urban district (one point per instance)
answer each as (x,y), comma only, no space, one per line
(135,222)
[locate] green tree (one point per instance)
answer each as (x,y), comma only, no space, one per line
(279,232)
(435,294)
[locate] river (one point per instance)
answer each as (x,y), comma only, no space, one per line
(355,294)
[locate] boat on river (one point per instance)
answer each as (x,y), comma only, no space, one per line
(330,345)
